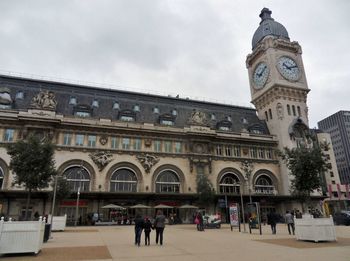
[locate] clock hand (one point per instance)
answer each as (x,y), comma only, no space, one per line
(295,66)
(286,66)
(262,71)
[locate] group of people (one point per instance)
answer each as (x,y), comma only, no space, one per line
(273,218)
(146,225)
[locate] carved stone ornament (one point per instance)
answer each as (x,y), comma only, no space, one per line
(198,118)
(103,140)
(44,100)
(147,161)
(5,97)
(101,159)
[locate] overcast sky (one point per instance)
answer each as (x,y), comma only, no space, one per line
(194,48)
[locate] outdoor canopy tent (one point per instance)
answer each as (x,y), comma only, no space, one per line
(113,206)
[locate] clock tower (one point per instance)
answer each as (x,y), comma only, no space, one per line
(278,86)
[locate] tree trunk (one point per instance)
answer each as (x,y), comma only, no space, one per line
(27,204)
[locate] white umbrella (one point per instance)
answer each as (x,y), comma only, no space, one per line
(113,206)
(140,206)
(186,206)
(162,206)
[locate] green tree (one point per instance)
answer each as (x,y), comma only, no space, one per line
(205,191)
(306,166)
(63,190)
(32,164)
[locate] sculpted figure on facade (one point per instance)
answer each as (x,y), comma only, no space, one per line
(147,161)
(198,118)
(44,100)
(101,159)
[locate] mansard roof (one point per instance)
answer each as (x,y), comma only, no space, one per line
(180,110)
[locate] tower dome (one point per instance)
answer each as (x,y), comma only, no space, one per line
(268,26)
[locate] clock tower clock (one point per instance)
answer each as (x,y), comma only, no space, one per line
(278,85)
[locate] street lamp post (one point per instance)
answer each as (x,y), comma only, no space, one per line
(242,204)
(53,203)
(77,208)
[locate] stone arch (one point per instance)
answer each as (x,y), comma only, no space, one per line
(6,172)
(264,172)
(124,165)
(79,163)
(226,171)
(173,168)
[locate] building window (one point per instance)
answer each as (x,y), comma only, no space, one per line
(137,144)
(299,112)
(136,108)
(263,185)
(229,184)
(114,143)
(116,105)
(157,146)
(168,146)
(9,134)
(73,101)
(236,151)
(167,122)
(178,147)
(293,109)
(127,118)
(228,151)
(213,117)
(167,182)
(261,153)
(19,95)
(79,139)
(174,112)
(95,103)
(229,118)
(219,150)
(92,141)
(266,117)
(224,128)
(270,113)
(288,109)
(156,110)
(332,174)
(123,180)
(67,139)
(253,152)
(82,114)
(1,178)
(125,143)
(269,153)
(78,178)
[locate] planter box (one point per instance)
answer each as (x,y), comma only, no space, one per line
(315,229)
(21,236)
(58,222)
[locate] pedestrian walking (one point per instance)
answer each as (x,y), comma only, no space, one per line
(147,228)
(139,224)
(290,222)
(272,221)
(159,225)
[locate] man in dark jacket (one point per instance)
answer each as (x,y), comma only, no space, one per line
(139,224)
(272,221)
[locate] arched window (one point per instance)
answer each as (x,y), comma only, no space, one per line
(229,184)
(264,185)
(123,180)
(1,178)
(167,182)
(78,177)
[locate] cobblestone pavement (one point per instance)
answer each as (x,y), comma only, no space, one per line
(184,242)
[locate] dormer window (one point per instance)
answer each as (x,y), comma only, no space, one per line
(167,119)
(136,108)
(244,120)
(82,111)
(213,117)
(224,125)
(95,103)
(174,112)
(73,101)
(19,95)
(116,106)
(228,118)
(127,115)
(156,110)
(167,122)
(127,118)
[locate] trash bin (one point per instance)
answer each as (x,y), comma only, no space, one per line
(47,232)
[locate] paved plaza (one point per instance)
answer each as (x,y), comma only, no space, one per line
(184,242)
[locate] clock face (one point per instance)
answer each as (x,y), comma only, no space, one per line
(288,68)
(260,75)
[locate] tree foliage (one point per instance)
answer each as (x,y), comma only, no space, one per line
(32,164)
(205,191)
(306,166)
(63,190)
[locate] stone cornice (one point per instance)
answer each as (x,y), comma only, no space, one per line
(280,92)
